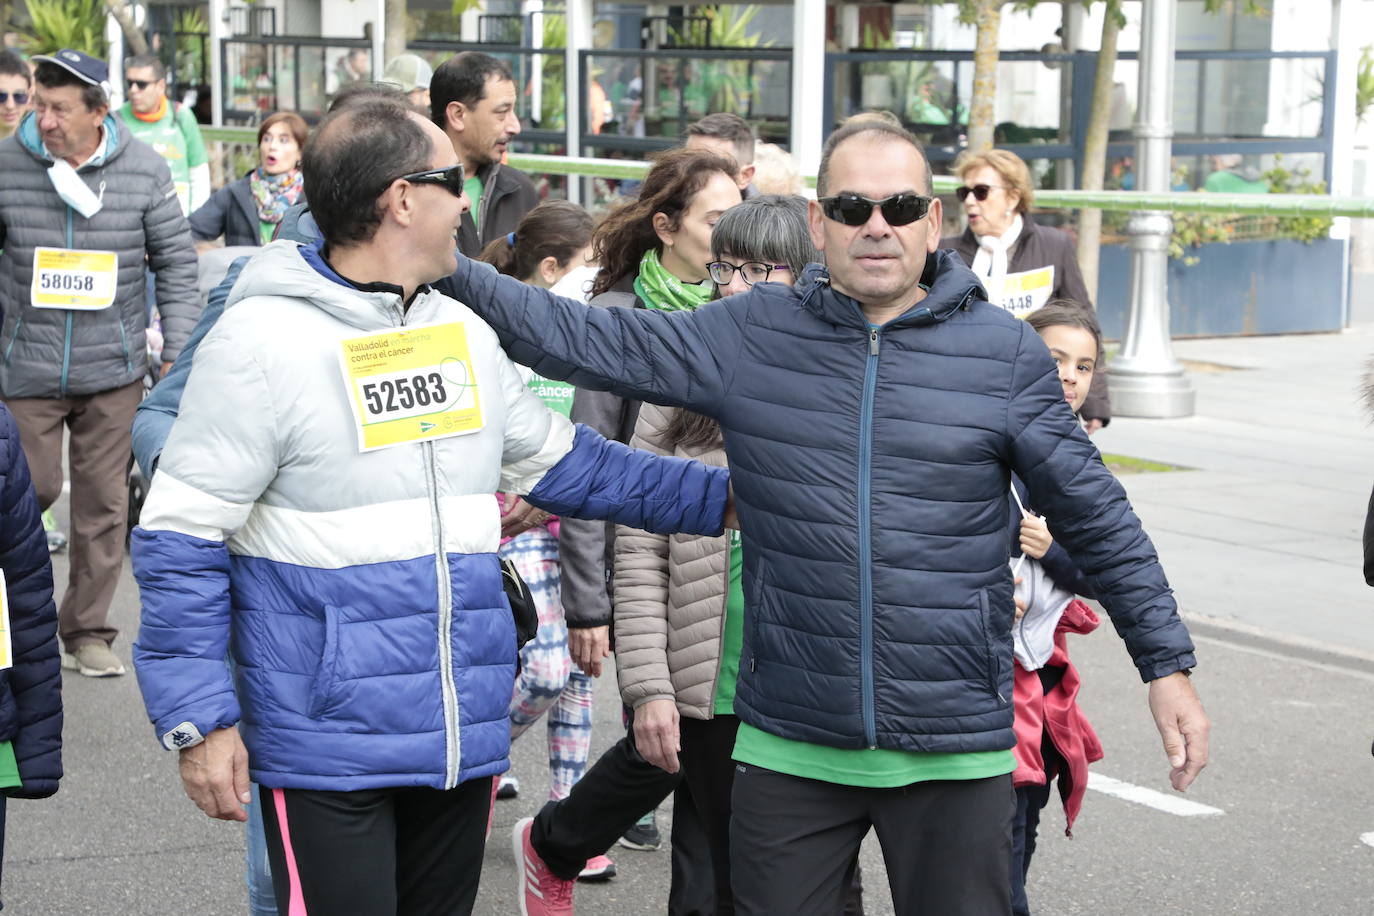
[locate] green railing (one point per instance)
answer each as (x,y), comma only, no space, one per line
(1316,205)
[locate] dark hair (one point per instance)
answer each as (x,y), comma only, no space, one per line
(12,64)
(463,78)
(353,157)
(771,227)
(294,123)
(556,228)
(628,232)
(355,93)
(147,60)
(876,129)
(729,127)
(1068,313)
(52,76)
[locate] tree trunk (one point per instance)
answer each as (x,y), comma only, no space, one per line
(396,25)
(1095,149)
(134,38)
(981,118)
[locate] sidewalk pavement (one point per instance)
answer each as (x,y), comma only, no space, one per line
(1263,533)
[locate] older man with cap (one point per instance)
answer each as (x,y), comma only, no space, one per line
(412,73)
(85,209)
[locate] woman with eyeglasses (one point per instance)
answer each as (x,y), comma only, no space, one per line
(248,211)
(1022,264)
(16,89)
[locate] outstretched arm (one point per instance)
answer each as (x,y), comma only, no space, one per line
(674,358)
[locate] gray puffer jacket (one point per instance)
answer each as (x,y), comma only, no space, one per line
(670,593)
(65,353)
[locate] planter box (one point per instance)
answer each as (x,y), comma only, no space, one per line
(1273,287)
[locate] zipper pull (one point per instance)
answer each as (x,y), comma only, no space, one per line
(873,342)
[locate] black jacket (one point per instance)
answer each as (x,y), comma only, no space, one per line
(31,690)
(507,195)
(1043,246)
(230,212)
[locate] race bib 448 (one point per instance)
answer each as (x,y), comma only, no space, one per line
(410,384)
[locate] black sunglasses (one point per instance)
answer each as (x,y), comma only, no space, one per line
(140,85)
(854,210)
(979,191)
(752,271)
(450,178)
(20,98)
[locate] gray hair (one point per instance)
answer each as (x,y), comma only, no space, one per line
(771,228)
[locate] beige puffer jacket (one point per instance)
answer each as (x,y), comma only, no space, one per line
(670,596)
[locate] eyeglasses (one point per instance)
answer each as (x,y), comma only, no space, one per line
(722,272)
(979,191)
(20,98)
(854,210)
(450,178)
(140,85)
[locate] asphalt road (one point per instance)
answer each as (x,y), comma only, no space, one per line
(1291,771)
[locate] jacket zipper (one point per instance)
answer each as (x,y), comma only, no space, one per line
(487,186)
(866,538)
(67,338)
(447,688)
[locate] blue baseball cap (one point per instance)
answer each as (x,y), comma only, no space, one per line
(84,67)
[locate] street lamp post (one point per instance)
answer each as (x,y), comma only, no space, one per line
(1146,380)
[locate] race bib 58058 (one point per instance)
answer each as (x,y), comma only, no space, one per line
(68,279)
(410,384)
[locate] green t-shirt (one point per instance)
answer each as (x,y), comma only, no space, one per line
(472,187)
(266,230)
(732,638)
(176,137)
(9,767)
(1227,182)
(869,768)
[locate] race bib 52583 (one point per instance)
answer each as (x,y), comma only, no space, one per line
(410,384)
(67,279)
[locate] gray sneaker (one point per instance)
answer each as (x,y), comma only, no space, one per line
(93,660)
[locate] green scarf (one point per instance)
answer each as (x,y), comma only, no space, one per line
(659,289)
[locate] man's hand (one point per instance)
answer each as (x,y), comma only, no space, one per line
(518,516)
(215,775)
(166,367)
(656,734)
(1092,426)
(588,646)
(1035,536)
(1182,724)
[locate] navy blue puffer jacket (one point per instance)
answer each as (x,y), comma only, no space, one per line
(30,691)
(870,468)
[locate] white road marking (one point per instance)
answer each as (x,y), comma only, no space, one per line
(1140,795)
(1367,838)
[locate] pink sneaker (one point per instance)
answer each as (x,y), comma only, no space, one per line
(541,892)
(600,868)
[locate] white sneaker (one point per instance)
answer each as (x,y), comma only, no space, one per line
(93,660)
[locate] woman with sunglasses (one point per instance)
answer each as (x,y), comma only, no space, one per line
(16,89)
(248,211)
(1021,264)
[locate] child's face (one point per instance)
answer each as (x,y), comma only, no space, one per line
(1075,353)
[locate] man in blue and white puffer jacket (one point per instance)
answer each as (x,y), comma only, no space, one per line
(357,589)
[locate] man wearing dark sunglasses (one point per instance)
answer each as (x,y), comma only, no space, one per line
(344,406)
(872,415)
(168,127)
(16,89)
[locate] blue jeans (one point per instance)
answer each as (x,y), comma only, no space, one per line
(261,901)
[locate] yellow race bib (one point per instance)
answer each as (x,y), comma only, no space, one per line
(1023,292)
(68,279)
(410,384)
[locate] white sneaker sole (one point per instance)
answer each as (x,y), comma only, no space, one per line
(71,663)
